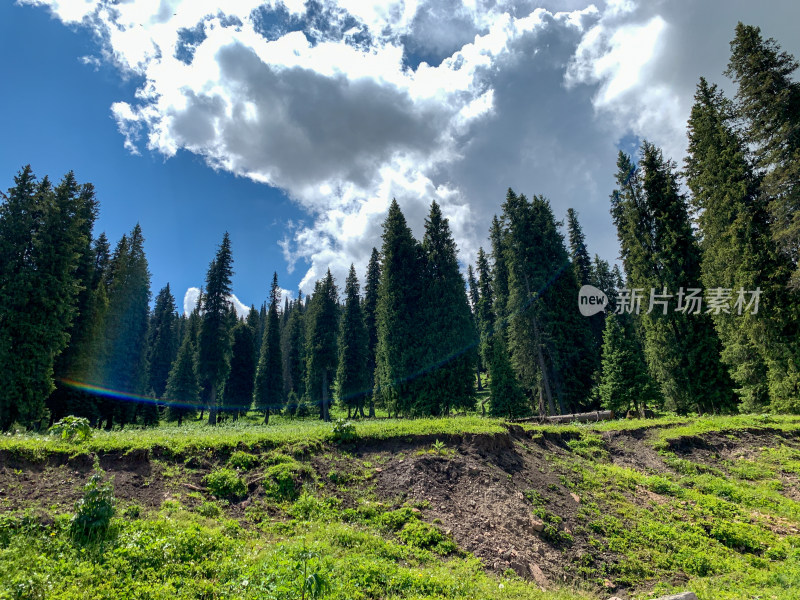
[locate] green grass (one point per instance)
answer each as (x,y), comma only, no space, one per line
(197,438)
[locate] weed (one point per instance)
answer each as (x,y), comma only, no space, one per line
(93,512)
(243,461)
(225,483)
(72,429)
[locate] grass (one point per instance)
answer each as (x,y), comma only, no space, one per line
(723,528)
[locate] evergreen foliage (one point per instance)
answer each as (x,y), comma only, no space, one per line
(371,286)
(241,379)
(269,374)
(352,377)
(162,342)
(214,338)
(183,390)
(322,320)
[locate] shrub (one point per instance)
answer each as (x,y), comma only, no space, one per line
(225,483)
(72,429)
(94,511)
(243,460)
(427,537)
(344,431)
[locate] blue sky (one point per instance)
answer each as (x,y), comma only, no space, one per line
(293,124)
(57,118)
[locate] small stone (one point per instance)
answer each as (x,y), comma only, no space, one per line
(416,511)
(575,497)
(378,470)
(681,596)
(607,583)
(537,524)
(615,598)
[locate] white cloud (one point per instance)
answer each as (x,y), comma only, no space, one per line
(193,293)
(453,100)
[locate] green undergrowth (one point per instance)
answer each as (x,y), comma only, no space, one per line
(367,553)
(725,529)
(197,438)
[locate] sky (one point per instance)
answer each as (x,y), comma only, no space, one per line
(293,124)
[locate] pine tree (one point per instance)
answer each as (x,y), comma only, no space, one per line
(293,340)
(269,374)
(397,315)
(183,391)
(578,252)
(73,363)
(241,379)
(474,299)
(41,236)
(371,287)
(738,253)
(507,397)
(768,98)
(214,338)
(446,329)
(484,313)
(625,383)
(322,321)
(550,342)
(660,253)
(162,346)
(352,377)
(499,272)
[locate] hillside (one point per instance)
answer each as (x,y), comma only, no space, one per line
(449,508)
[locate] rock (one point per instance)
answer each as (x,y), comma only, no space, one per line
(378,470)
(537,524)
(416,511)
(537,575)
(615,598)
(575,497)
(681,596)
(608,584)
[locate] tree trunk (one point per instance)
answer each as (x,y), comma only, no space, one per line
(372,406)
(266,416)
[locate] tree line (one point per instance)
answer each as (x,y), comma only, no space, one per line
(77,335)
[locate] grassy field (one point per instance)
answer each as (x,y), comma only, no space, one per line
(299,510)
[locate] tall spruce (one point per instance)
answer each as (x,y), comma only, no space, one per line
(269,374)
(352,377)
(371,286)
(662,258)
(446,330)
(768,98)
(550,342)
(322,320)
(124,364)
(484,312)
(182,393)
(397,315)
(162,342)
(214,337)
(625,383)
(241,378)
(474,299)
(507,396)
(760,350)
(577,248)
(73,364)
(41,235)
(293,340)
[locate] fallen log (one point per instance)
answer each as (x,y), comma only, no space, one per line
(598,415)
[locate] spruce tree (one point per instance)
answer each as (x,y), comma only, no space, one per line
(322,320)
(484,313)
(269,374)
(661,256)
(182,393)
(241,379)
(352,377)
(162,342)
(625,383)
(474,299)
(446,330)
(74,362)
(214,338)
(41,236)
(738,253)
(397,315)
(768,98)
(371,286)
(293,339)
(578,252)
(507,397)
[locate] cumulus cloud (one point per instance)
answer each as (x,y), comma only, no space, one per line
(193,293)
(346,104)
